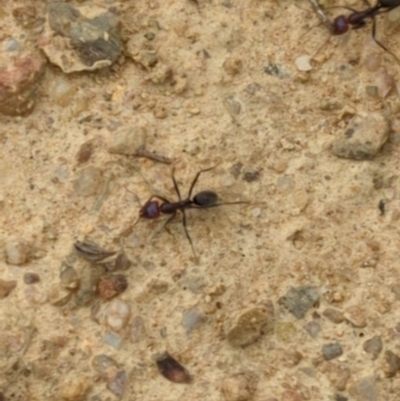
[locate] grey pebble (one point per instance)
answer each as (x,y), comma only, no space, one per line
(299,300)
(118,383)
(331,351)
(364,389)
(363,137)
(312,328)
(373,346)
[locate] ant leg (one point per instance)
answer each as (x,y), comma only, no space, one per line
(167,222)
(187,233)
(196,178)
(176,184)
(380,44)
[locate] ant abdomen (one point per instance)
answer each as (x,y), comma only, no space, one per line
(205,199)
(340,25)
(150,210)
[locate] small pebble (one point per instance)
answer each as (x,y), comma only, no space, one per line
(303,63)
(118,383)
(111,286)
(333,315)
(74,388)
(17,252)
(11,45)
(299,300)
(233,65)
(285,331)
(356,316)
(363,137)
(138,329)
(88,182)
(128,140)
(331,351)
(69,278)
(393,363)
(113,340)
(105,366)
(232,106)
(31,278)
(172,369)
(6,287)
(239,387)
(117,314)
(59,296)
(192,319)
(246,326)
(365,389)
(373,346)
(313,329)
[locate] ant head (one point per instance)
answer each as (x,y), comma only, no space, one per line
(150,210)
(205,199)
(340,25)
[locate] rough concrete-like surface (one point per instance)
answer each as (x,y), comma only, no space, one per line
(208,83)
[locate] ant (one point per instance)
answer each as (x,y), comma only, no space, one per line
(356,19)
(153,209)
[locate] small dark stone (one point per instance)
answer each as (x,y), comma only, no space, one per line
(331,351)
(339,397)
(31,278)
(373,346)
(393,362)
(172,369)
(251,176)
(333,315)
(382,206)
(111,286)
(299,300)
(273,69)
(235,169)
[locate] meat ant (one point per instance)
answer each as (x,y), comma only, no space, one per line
(157,205)
(357,19)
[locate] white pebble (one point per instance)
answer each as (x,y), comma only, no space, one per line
(256,212)
(303,63)
(117,314)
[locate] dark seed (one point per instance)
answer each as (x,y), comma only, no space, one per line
(172,370)
(31,278)
(251,176)
(85,152)
(382,206)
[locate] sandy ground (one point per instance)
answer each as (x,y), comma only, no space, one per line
(312,218)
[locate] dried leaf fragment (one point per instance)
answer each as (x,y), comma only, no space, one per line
(92,252)
(172,369)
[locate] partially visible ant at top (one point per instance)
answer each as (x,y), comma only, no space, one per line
(157,205)
(357,19)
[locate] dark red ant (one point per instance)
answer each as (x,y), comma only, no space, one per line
(357,19)
(153,209)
